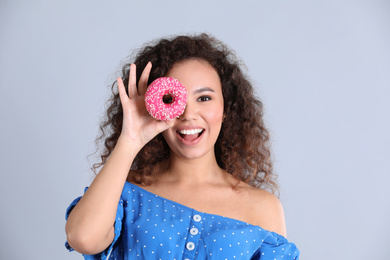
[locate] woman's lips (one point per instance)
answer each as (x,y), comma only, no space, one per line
(190,136)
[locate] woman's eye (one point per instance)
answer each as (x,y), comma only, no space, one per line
(204,98)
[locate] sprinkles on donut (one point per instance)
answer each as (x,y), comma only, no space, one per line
(165,98)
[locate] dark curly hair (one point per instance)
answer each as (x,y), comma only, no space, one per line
(242,148)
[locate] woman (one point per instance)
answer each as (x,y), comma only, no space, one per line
(190,188)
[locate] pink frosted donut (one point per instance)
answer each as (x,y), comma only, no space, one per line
(165,98)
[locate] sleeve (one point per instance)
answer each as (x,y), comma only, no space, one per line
(117,230)
(276,247)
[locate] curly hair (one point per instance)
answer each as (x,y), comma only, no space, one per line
(242,147)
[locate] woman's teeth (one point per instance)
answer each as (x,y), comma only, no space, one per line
(190,132)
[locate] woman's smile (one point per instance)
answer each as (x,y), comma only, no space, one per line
(190,136)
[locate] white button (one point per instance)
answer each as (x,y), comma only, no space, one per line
(187,259)
(190,246)
(197,218)
(194,231)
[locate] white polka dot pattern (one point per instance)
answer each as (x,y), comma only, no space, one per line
(152,227)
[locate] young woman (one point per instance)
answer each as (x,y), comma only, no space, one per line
(194,187)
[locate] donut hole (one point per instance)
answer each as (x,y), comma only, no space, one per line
(167,99)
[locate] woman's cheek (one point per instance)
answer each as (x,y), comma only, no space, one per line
(215,116)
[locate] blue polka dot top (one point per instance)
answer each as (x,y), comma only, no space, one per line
(148,226)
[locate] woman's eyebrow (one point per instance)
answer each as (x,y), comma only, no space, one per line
(206,89)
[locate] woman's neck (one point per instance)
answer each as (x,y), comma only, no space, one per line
(183,171)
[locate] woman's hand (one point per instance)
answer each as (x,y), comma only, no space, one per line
(138,126)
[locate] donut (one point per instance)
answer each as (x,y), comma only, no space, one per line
(165,98)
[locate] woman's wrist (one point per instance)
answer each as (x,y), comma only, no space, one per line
(128,145)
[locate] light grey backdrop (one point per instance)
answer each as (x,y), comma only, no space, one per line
(322,69)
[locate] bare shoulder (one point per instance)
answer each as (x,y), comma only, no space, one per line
(267,210)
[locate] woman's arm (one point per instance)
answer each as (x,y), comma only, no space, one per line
(89,227)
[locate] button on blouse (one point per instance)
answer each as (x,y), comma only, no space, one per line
(197,218)
(190,246)
(148,226)
(194,231)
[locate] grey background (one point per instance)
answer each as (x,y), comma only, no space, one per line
(322,69)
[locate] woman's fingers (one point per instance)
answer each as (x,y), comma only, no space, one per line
(132,86)
(143,81)
(164,125)
(122,92)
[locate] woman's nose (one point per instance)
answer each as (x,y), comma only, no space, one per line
(190,112)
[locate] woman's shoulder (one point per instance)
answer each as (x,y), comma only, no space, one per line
(266,209)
